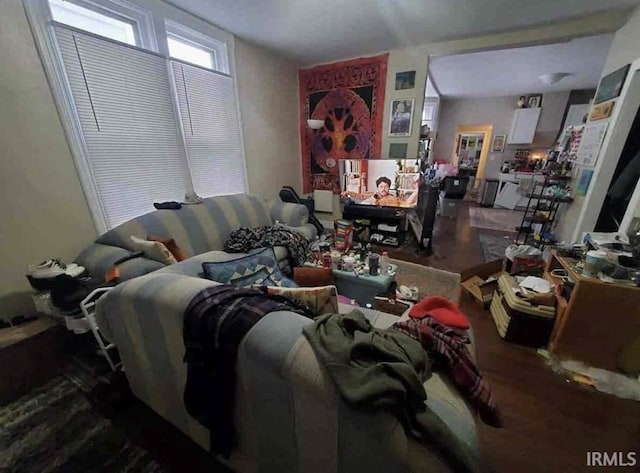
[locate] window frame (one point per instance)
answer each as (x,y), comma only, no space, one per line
(220,56)
(140,20)
(152,40)
(212,53)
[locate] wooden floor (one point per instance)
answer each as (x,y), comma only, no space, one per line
(455,244)
(550,424)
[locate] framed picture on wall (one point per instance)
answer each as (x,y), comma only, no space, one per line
(583,181)
(611,85)
(497,144)
(405,80)
(398,150)
(401,117)
(534,101)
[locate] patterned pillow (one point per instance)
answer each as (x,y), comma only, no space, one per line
(321,300)
(260,268)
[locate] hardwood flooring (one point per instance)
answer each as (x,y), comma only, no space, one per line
(455,244)
(550,424)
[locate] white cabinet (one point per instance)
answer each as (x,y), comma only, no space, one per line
(523,126)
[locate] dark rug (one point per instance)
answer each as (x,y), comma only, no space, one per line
(55,429)
(494,245)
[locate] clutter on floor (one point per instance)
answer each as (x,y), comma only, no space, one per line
(480,282)
(557,298)
(518,318)
(493,246)
(616,384)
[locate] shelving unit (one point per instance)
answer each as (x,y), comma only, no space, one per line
(405,181)
(368,220)
(541,211)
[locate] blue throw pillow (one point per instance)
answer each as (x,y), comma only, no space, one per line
(259,268)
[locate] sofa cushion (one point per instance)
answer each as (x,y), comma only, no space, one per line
(259,268)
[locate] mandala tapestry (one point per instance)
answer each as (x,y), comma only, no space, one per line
(349,97)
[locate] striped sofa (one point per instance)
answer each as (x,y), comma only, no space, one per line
(196,229)
(289,416)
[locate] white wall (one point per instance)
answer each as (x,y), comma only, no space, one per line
(625,47)
(44,212)
(582,214)
(401,60)
(268,89)
(496,111)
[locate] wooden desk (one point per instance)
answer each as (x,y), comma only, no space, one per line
(596,321)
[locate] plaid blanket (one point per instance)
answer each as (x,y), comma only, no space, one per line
(449,353)
(215,322)
(245,239)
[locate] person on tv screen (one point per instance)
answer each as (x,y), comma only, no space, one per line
(382,196)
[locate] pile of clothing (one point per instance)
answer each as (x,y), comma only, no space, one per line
(386,369)
(215,322)
(371,368)
(246,239)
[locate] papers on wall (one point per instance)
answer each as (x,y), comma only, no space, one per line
(590,144)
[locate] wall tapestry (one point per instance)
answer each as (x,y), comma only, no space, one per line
(349,97)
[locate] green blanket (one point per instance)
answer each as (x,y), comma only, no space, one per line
(385,369)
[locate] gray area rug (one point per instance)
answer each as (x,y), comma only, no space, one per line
(55,429)
(493,246)
(429,281)
(503,220)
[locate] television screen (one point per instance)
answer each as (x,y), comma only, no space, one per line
(380,182)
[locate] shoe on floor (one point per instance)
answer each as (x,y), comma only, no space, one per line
(54,267)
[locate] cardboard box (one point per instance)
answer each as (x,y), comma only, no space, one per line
(474,281)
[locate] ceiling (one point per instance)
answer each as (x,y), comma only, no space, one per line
(316,31)
(517,71)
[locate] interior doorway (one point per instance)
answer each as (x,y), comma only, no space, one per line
(471,149)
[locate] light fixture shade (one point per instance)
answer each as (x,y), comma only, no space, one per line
(315,124)
(554,77)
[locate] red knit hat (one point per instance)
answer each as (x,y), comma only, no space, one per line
(441,309)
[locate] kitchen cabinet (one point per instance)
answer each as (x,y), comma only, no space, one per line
(523,125)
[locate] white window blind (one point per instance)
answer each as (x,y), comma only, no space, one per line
(123,100)
(209,115)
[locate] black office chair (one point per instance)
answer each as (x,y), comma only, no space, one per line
(289,194)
